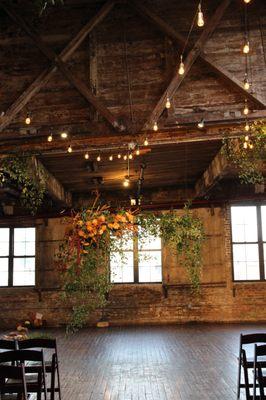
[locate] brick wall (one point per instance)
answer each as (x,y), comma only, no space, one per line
(221,300)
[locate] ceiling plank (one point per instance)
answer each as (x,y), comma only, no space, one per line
(165,28)
(189,61)
(45,76)
(55,189)
(218,168)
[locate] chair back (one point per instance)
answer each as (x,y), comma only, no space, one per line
(37,344)
(13,372)
(21,356)
(260,351)
(8,344)
(252,338)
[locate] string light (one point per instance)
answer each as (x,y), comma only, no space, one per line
(69,149)
(86,156)
(50,138)
(125,157)
(246,109)
(155,127)
(251,146)
(201,124)
(168,103)
(111,158)
(146,143)
(181,69)
(247,127)
(130,156)
(200,21)
(246,83)
(246,47)
(245,145)
(28,119)
(246,138)
(126,181)
(119,156)
(138,152)
(98,158)
(247,1)
(64,135)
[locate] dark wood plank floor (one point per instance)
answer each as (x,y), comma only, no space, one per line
(192,362)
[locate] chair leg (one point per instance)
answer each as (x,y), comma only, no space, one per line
(58,380)
(238,379)
(52,384)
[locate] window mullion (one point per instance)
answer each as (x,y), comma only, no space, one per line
(260,243)
(10,257)
(136,258)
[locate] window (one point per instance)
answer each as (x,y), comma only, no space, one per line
(17,256)
(140,262)
(249,242)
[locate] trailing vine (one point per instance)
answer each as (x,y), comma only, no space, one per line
(20,172)
(248,153)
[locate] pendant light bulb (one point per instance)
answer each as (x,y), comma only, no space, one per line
(246,47)
(181,69)
(245,145)
(251,146)
(125,157)
(98,158)
(86,156)
(155,127)
(146,143)
(119,156)
(200,21)
(137,152)
(50,138)
(130,156)
(28,119)
(201,124)
(168,103)
(111,157)
(247,1)
(247,127)
(246,110)
(69,149)
(126,181)
(246,83)
(246,138)
(63,135)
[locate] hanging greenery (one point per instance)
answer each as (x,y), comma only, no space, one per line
(43,5)
(93,237)
(21,172)
(248,153)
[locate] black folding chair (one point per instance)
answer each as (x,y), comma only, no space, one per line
(8,344)
(51,366)
(35,380)
(247,364)
(259,365)
(8,374)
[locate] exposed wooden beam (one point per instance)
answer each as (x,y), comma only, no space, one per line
(55,189)
(189,61)
(166,29)
(218,168)
(44,77)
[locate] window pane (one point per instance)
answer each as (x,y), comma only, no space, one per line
(264,251)
(263,222)
(24,271)
(3,271)
(244,224)
(4,241)
(24,241)
(122,269)
(150,243)
(150,266)
(246,262)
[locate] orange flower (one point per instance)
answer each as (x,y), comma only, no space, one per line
(80,223)
(94,222)
(81,233)
(129,217)
(102,218)
(120,218)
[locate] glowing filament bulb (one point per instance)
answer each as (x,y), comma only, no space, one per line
(86,156)
(146,143)
(28,119)
(247,127)
(246,83)
(200,21)
(125,157)
(126,181)
(69,149)
(247,1)
(168,103)
(155,127)
(119,156)
(201,124)
(246,48)
(98,158)
(50,138)
(137,152)
(130,156)
(111,158)
(246,138)
(246,110)
(251,146)
(64,135)
(181,69)
(245,145)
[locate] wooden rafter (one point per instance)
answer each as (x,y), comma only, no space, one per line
(189,61)
(165,28)
(58,62)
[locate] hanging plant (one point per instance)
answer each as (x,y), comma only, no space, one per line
(20,171)
(94,236)
(248,153)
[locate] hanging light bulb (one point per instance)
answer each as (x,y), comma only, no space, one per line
(138,152)
(119,156)
(98,158)
(50,138)
(28,119)
(168,103)
(200,21)
(86,156)
(247,1)
(201,124)
(246,138)
(111,158)
(155,127)
(146,143)
(69,149)
(246,83)
(246,47)
(181,69)
(251,146)
(247,127)
(125,157)
(246,110)
(63,135)
(245,145)
(130,156)
(126,181)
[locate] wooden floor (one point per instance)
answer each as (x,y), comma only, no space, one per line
(192,362)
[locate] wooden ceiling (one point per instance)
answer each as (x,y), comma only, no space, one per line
(118,61)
